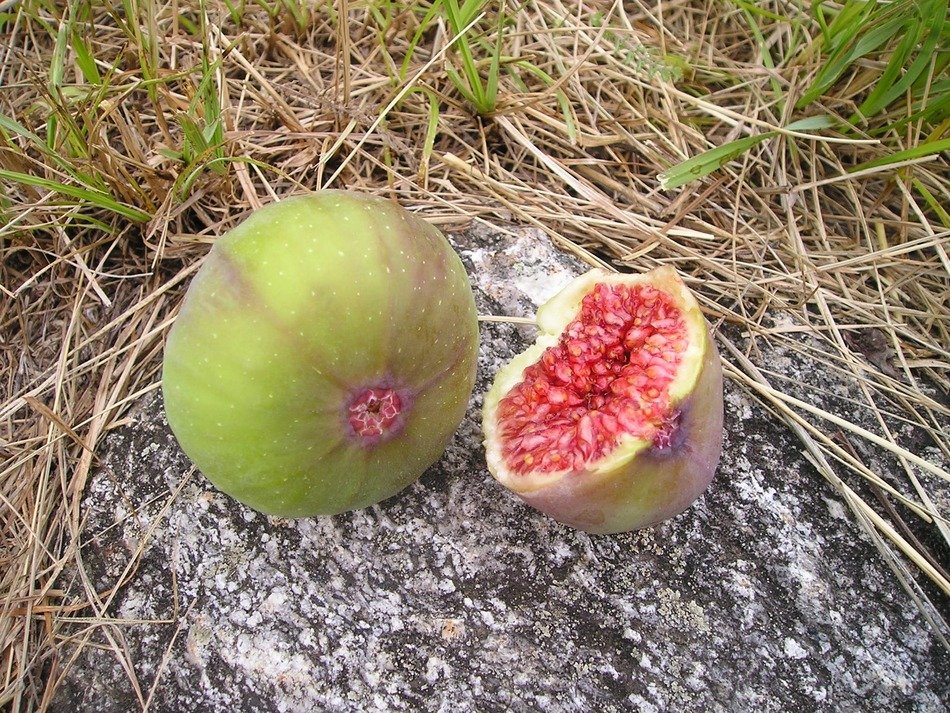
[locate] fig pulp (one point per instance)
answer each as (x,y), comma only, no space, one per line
(324,355)
(612,420)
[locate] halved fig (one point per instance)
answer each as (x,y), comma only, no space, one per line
(612,420)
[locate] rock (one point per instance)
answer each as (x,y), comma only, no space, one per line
(453,596)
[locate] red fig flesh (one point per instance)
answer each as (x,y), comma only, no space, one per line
(612,420)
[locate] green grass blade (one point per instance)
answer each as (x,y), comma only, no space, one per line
(491,86)
(219,165)
(456,18)
(852,15)
(891,72)
(708,161)
(468,11)
(193,142)
(54,81)
(841,60)
(213,133)
(756,9)
(919,151)
(767,60)
(93,197)
(562,100)
(461,86)
(426,21)
(12,126)
(813,123)
(298,12)
(190,27)
(932,202)
(483,95)
(819,14)
(235,10)
(57,65)
(935,111)
(85,61)
(432,130)
(891,90)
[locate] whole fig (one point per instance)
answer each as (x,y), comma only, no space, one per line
(324,355)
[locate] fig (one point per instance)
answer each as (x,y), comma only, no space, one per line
(612,420)
(323,356)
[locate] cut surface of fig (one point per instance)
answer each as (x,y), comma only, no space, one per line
(323,356)
(607,377)
(612,420)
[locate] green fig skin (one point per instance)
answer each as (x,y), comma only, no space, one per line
(306,305)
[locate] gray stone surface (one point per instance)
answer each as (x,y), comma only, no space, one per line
(452,596)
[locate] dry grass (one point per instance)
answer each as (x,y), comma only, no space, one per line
(141,151)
